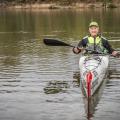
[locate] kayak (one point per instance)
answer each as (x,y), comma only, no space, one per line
(93,68)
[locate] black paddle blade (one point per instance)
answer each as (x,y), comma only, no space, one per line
(53,42)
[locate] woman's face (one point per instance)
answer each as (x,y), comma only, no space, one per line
(94,31)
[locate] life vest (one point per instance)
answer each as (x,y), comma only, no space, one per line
(96,44)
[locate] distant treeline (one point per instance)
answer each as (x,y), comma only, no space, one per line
(59,1)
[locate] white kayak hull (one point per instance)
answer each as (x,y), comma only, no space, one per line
(93,69)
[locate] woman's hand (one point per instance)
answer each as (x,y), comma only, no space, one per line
(115,53)
(76,50)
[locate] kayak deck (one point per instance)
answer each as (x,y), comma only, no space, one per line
(92,71)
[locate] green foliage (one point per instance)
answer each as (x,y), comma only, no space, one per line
(111,5)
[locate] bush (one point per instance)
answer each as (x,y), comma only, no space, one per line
(111,5)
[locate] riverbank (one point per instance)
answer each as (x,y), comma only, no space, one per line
(57,6)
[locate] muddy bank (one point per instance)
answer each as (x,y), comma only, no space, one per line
(57,6)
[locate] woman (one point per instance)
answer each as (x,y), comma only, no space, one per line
(95,42)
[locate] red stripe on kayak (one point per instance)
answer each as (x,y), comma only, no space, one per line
(89,77)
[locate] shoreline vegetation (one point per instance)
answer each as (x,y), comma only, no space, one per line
(58,5)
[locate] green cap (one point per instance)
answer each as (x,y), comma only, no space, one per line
(93,24)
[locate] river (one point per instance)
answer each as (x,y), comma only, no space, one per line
(39,82)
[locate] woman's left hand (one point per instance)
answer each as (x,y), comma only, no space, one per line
(115,53)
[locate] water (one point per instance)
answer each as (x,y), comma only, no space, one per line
(38,82)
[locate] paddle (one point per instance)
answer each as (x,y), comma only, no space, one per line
(55,42)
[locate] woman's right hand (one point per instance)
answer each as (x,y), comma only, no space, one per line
(76,50)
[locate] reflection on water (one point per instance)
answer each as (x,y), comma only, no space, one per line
(56,87)
(91,103)
(61,86)
(114,68)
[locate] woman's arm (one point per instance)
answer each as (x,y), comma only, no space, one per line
(79,47)
(109,48)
